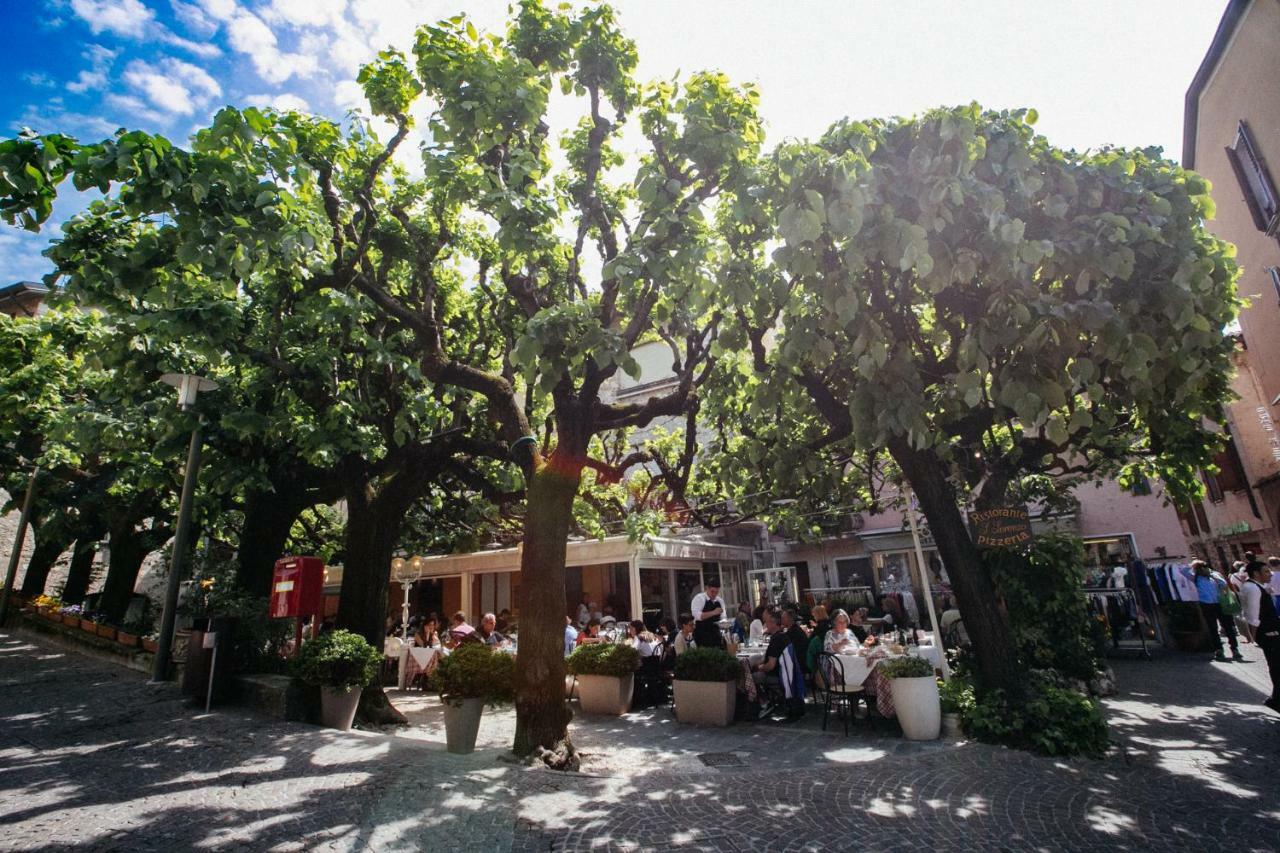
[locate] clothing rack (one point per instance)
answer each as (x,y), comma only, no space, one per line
(1101,600)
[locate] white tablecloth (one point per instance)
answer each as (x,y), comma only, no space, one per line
(933,654)
(422,657)
(856,668)
(752,654)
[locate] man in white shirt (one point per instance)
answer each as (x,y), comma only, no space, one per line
(707,611)
(1259,611)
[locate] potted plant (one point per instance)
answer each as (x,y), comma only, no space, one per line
(468,678)
(606,676)
(705,687)
(70,615)
(915,695)
(954,696)
(89,622)
(48,607)
(130,633)
(340,663)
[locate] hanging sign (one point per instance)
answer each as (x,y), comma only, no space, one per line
(1001,527)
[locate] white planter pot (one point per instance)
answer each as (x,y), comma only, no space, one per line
(919,710)
(338,710)
(705,703)
(951,727)
(462,724)
(605,694)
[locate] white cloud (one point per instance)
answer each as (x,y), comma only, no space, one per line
(247,34)
(306,13)
(172,85)
(95,76)
(205,50)
(38,79)
(193,18)
(122,17)
(136,108)
(285,101)
(219,10)
(348,95)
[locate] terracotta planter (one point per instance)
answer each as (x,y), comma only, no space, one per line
(88,626)
(705,703)
(462,725)
(338,710)
(149,645)
(71,619)
(919,710)
(605,694)
(129,641)
(107,631)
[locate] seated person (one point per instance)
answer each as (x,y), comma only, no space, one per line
(427,636)
(591,633)
(841,637)
(797,636)
(504,621)
(489,631)
(459,630)
(858,624)
(780,667)
(819,623)
(570,636)
(684,639)
(755,633)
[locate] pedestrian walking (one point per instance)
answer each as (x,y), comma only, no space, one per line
(1209,588)
(1260,612)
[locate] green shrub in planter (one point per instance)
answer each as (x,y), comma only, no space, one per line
(476,671)
(905,667)
(955,694)
(339,660)
(615,659)
(1054,721)
(707,665)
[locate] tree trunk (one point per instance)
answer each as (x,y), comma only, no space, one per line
(542,714)
(43,557)
(976,595)
(80,574)
(128,550)
(268,518)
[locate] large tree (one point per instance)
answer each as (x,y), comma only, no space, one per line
(958,300)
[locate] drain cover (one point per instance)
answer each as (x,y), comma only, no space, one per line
(720,759)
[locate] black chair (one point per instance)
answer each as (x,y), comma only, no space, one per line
(652,688)
(836,693)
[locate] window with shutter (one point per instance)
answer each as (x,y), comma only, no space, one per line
(1255,181)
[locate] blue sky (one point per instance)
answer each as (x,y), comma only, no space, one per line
(1098,71)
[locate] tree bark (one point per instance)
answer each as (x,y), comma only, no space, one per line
(80,574)
(128,550)
(268,518)
(43,557)
(976,594)
(542,714)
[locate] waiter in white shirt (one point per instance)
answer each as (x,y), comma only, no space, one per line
(707,611)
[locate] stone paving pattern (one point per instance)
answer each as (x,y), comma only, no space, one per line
(94,758)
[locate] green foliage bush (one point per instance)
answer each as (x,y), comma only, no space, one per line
(905,667)
(1047,610)
(257,641)
(340,660)
(475,671)
(707,665)
(1054,721)
(616,659)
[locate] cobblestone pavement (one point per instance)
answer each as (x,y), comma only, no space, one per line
(92,757)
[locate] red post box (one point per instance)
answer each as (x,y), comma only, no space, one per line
(297,587)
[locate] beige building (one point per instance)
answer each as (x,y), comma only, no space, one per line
(1231,134)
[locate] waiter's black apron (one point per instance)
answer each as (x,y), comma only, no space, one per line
(706,632)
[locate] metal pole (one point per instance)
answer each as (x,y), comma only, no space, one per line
(18,541)
(924,585)
(164,644)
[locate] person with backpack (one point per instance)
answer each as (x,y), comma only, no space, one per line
(1259,611)
(1211,588)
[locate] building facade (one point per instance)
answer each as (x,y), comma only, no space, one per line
(1231,135)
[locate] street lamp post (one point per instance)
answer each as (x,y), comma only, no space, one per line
(20,537)
(188,387)
(407,573)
